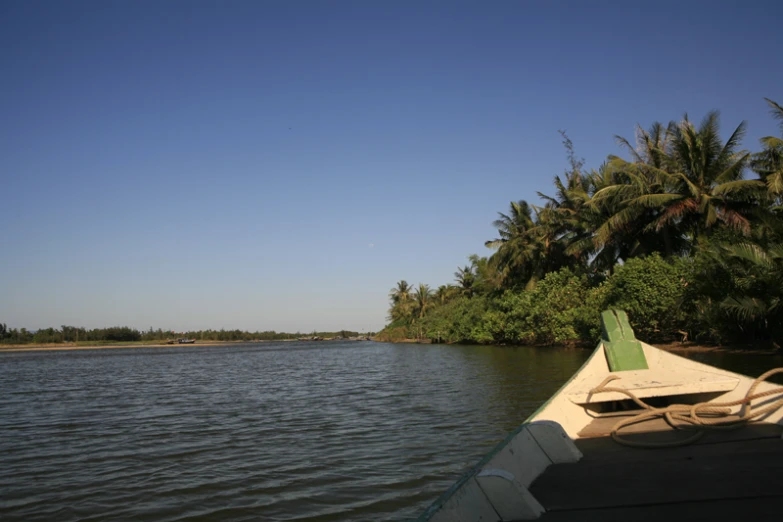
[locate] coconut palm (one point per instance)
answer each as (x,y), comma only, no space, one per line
(514,247)
(756,273)
(465,279)
(402,301)
(422,297)
(651,145)
(693,183)
(442,294)
(707,186)
(401,293)
(565,223)
(769,162)
(486,276)
(624,228)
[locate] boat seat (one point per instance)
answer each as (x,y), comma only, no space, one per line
(653,383)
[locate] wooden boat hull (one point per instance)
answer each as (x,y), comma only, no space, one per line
(499,486)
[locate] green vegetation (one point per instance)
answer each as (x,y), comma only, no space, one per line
(124,334)
(685,235)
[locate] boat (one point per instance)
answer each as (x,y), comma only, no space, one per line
(637,434)
(186,341)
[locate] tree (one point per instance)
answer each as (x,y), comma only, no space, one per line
(402,302)
(687,183)
(422,296)
(515,249)
(465,279)
(769,162)
(756,277)
(445,293)
(625,227)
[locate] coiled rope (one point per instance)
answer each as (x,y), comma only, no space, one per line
(701,417)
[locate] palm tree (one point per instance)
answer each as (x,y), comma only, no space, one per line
(564,223)
(401,293)
(422,296)
(692,183)
(769,162)
(625,227)
(514,254)
(465,279)
(707,187)
(402,303)
(651,145)
(757,279)
(444,293)
(486,276)
(560,234)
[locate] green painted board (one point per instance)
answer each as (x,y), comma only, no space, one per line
(623,351)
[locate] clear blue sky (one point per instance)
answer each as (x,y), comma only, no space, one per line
(280,165)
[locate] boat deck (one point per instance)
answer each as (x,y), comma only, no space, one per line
(726,475)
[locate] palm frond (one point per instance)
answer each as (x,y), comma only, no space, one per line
(771,142)
(734,169)
(776,110)
(775,182)
(675,212)
(745,308)
(732,143)
(655,200)
(750,252)
(693,189)
(743,187)
(624,143)
(735,220)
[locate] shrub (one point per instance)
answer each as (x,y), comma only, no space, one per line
(557,309)
(651,289)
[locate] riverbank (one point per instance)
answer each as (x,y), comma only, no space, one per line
(75,346)
(53,347)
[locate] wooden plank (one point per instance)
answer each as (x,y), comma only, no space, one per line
(756,509)
(655,383)
(605,449)
(554,441)
(610,327)
(522,457)
(622,318)
(660,430)
(623,351)
(602,484)
(510,499)
(468,504)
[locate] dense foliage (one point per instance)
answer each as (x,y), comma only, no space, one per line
(684,234)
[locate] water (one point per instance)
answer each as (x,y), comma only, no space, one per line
(275,431)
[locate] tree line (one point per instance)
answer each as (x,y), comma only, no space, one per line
(74,334)
(684,233)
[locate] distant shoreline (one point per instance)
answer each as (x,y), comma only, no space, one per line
(58,347)
(74,346)
(670,347)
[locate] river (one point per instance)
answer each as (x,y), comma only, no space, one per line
(327,431)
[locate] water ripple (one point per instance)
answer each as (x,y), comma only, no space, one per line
(271,432)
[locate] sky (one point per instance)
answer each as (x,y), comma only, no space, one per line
(280,165)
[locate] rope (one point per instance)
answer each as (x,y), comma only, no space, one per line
(700,417)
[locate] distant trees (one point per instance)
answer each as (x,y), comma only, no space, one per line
(73,334)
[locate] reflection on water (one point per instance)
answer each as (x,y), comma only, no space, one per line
(274,431)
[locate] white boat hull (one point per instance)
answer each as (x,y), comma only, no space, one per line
(498,487)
